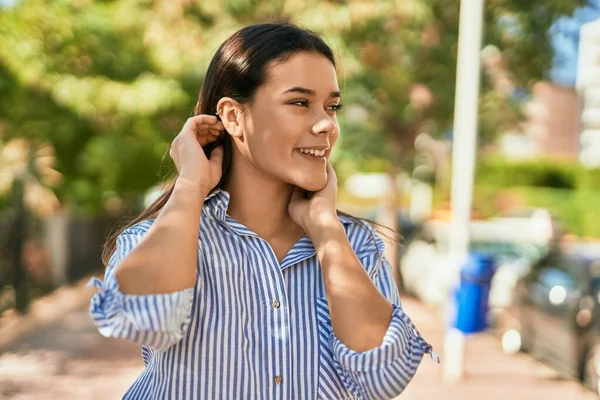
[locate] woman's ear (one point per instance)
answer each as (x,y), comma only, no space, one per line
(230,112)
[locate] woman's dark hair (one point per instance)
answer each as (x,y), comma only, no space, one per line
(237,70)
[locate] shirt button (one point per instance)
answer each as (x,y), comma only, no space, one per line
(276,304)
(278,380)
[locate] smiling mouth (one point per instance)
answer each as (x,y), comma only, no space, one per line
(318,155)
(313,152)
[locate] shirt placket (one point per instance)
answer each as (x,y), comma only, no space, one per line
(280,335)
(277,305)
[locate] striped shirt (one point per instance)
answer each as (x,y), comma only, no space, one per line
(254,328)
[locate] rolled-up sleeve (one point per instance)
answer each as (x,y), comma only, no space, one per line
(156,321)
(383,372)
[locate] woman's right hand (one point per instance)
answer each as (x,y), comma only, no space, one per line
(186,151)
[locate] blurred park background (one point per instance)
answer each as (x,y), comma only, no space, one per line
(93,92)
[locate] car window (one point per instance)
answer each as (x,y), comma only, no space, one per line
(551,257)
(558,268)
(553,276)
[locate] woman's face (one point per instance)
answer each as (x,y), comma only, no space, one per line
(291,126)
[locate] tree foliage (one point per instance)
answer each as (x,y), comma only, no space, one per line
(108,83)
(405,49)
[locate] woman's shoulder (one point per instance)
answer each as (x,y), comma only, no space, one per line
(139,228)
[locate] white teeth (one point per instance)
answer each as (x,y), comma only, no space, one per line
(317,153)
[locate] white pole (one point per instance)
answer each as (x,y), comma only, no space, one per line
(463,160)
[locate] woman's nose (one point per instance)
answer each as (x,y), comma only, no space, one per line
(324,125)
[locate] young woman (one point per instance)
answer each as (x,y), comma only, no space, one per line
(242,281)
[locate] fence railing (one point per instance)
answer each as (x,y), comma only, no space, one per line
(38,255)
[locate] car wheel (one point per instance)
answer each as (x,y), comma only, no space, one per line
(591,374)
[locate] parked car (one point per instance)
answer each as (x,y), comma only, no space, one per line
(556,315)
(428,273)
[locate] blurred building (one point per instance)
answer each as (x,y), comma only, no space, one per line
(563,116)
(553,121)
(588,86)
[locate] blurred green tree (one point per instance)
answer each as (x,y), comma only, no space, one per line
(108,83)
(402,80)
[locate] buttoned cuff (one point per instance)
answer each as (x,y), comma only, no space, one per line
(120,315)
(401,341)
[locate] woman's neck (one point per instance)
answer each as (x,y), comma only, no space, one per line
(260,203)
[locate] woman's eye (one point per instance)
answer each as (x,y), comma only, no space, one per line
(335,107)
(306,103)
(301,103)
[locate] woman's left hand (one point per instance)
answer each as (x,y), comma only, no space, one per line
(317,212)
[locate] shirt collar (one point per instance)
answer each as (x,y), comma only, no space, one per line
(218,202)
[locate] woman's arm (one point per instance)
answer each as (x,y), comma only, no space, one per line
(165,259)
(149,283)
(375,346)
(158,320)
(381,364)
(360,314)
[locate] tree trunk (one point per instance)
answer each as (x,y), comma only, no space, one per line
(18,228)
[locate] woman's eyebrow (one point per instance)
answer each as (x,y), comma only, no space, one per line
(310,92)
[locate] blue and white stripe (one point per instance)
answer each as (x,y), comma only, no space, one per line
(250,319)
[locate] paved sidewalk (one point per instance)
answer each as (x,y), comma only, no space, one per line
(489,373)
(58,354)
(43,311)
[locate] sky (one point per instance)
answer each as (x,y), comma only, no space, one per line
(565,41)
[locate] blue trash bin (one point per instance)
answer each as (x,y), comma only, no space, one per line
(471,297)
